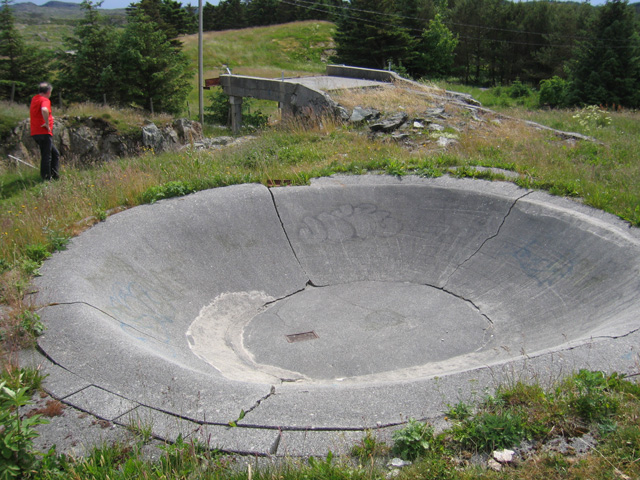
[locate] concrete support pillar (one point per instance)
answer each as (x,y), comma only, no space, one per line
(236,113)
(286,109)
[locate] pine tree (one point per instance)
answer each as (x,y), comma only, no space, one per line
(228,14)
(369,35)
(437,48)
(21,67)
(152,72)
(169,15)
(262,12)
(607,66)
(87,70)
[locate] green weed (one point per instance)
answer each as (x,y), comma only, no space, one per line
(30,323)
(368,447)
(167,190)
(37,253)
(459,411)
(395,168)
(56,240)
(17,457)
(413,440)
(27,377)
(488,431)
(588,395)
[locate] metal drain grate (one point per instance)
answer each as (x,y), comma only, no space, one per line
(301,337)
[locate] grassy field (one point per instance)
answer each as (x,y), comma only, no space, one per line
(38,218)
(299,49)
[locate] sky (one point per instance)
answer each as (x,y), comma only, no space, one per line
(126,3)
(117,3)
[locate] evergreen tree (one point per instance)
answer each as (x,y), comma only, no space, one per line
(21,67)
(229,14)
(87,71)
(567,22)
(606,70)
(414,15)
(471,54)
(152,72)
(262,12)
(209,17)
(183,19)
(169,15)
(437,48)
(369,35)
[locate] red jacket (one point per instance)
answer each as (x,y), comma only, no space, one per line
(35,115)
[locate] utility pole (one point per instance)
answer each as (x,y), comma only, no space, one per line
(200,66)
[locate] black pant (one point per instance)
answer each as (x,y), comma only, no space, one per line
(50,157)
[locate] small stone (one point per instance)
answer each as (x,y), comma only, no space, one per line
(445,142)
(389,125)
(400,136)
(435,112)
(503,456)
(398,463)
(361,114)
(493,465)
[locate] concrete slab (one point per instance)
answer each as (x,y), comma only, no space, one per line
(248,441)
(163,425)
(100,403)
(328,83)
(308,314)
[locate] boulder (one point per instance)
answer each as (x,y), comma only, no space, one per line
(188,131)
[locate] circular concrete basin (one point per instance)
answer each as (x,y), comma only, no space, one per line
(333,305)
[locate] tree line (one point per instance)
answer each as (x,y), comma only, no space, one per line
(575,53)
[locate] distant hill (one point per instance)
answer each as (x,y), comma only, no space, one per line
(58,12)
(55,4)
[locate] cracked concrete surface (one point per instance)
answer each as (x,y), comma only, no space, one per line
(488,238)
(420,292)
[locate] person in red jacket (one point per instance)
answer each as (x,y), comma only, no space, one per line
(41,120)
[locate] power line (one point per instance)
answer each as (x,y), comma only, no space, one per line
(310,5)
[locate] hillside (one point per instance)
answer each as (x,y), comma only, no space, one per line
(292,49)
(55,12)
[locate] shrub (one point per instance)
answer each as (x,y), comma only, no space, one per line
(591,117)
(518,90)
(553,92)
(218,111)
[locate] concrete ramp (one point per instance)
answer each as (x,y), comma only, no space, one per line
(304,315)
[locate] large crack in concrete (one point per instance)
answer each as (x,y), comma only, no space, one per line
(491,237)
(286,234)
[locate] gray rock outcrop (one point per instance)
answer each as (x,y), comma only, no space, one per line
(84,141)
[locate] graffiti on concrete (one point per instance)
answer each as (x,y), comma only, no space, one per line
(349,222)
